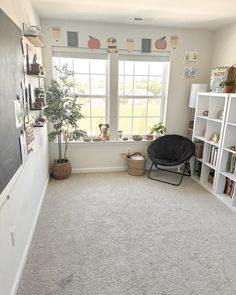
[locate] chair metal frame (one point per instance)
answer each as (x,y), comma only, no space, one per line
(186,172)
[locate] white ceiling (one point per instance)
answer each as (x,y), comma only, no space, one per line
(203,14)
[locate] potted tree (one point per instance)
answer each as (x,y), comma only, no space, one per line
(63,111)
(159,129)
(227,85)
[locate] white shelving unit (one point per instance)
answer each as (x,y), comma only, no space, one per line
(205,126)
(229,140)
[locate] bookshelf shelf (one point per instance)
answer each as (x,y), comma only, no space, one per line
(216,171)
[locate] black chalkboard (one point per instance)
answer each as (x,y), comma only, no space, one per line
(11,77)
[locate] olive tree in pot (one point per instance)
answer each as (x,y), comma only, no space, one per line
(63,112)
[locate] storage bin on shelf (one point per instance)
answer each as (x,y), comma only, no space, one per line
(135,163)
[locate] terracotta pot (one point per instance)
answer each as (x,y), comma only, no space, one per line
(228,88)
(61,170)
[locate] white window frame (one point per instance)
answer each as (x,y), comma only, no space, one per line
(112,102)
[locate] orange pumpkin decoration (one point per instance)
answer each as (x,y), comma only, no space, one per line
(161,43)
(93,43)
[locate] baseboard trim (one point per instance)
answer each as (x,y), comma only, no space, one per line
(99,169)
(28,244)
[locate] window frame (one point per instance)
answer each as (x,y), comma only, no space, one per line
(112,81)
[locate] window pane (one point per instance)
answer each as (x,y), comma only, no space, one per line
(121,67)
(141,68)
(156,68)
(84,124)
(81,83)
(97,66)
(128,85)
(129,67)
(140,108)
(95,125)
(85,106)
(68,61)
(81,66)
(139,126)
(126,107)
(154,107)
(98,107)
(125,125)
(140,85)
(98,84)
(154,86)
(121,85)
(151,122)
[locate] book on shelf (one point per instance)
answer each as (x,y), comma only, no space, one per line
(231,163)
(197,168)
(199,149)
(229,187)
(212,156)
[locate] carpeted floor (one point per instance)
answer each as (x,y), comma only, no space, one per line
(115,234)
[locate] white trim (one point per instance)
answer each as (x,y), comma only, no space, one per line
(28,244)
(99,169)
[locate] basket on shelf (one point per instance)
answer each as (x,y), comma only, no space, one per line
(135,163)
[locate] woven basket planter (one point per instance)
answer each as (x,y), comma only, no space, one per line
(135,167)
(61,170)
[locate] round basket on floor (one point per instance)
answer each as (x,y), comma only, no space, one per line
(135,167)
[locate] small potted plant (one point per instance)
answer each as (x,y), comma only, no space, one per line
(63,111)
(158,129)
(227,85)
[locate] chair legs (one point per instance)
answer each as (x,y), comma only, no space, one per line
(186,172)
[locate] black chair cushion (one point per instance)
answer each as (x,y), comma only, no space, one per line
(170,150)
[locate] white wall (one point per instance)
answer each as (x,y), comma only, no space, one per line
(224,46)
(27,191)
(178,113)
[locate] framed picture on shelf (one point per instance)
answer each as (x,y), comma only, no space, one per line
(218,75)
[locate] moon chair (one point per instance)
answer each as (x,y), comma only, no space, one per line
(170,151)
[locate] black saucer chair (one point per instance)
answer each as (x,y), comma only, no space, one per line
(168,151)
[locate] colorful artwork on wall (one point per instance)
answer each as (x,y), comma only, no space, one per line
(146,45)
(190,72)
(174,41)
(130,44)
(111,42)
(94,43)
(190,56)
(56,33)
(161,43)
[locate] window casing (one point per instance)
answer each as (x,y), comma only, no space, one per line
(142,94)
(129,92)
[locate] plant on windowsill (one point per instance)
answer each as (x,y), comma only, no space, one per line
(158,129)
(63,111)
(228,86)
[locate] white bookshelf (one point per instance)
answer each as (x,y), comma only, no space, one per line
(205,126)
(229,139)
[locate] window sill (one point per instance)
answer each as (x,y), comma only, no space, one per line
(109,142)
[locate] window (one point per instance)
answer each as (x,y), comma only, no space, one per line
(89,82)
(142,93)
(127,91)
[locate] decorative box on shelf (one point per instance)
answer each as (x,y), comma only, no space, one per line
(36,70)
(33,34)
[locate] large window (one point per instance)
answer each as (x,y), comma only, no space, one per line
(89,82)
(129,92)
(142,93)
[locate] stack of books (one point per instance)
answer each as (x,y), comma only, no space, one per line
(231,163)
(229,187)
(212,157)
(199,149)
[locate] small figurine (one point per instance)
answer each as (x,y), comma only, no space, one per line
(205,113)
(215,138)
(221,115)
(104,132)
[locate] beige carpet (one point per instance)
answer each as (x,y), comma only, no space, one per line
(115,234)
